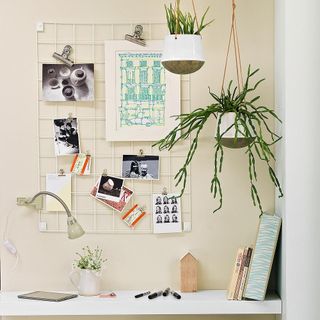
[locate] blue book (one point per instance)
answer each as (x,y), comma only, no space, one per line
(262,257)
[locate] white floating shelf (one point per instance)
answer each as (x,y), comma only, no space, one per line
(201,302)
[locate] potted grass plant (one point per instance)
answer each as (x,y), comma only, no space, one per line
(249,125)
(183,51)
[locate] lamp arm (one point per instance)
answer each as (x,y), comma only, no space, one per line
(52,195)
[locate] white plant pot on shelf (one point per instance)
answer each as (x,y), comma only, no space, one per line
(183,53)
(229,138)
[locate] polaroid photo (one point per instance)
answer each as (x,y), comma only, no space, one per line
(145,167)
(125,196)
(63,83)
(109,188)
(166,213)
(66,136)
(133,216)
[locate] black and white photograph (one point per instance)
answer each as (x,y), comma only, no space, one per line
(166,213)
(145,167)
(63,83)
(66,136)
(109,188)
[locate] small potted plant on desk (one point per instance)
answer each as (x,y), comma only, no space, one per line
(87,274)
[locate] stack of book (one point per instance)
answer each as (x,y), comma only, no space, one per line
(240,272)
(252,266)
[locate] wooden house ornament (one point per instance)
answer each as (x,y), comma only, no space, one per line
(188,273)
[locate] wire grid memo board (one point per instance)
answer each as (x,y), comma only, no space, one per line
(87,41)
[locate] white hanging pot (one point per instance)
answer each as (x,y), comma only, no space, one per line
(229,138)
(183,53)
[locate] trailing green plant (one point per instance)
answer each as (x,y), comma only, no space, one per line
(184,23)
(90,259)
(250,123)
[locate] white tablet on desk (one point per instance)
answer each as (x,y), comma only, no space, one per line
(47,296)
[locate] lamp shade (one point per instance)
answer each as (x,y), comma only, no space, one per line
(183,53)
(74,229)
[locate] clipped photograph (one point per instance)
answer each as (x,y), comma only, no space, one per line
(166,213)
(110,188)
(145,167)
(125,196)
(66,136)
(63,83)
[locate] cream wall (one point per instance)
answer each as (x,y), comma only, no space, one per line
(134,261)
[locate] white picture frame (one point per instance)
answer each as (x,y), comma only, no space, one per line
(141,96)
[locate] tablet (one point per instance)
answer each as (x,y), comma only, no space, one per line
(47,296)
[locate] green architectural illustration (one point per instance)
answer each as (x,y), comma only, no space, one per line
(143,90)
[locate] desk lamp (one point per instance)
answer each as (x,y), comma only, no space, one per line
(74,229)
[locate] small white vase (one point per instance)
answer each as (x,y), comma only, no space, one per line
(183,53)
(228,132)
(87,282)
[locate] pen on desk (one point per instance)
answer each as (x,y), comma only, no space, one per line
(142,294)
(166,292)
(176,294)
(155,295)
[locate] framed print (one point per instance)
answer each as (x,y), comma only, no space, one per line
(141,96)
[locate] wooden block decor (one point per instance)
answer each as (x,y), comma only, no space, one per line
(188,273)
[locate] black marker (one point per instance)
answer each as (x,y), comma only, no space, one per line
(141,294)
(176,294)
(155,295)
(166,292)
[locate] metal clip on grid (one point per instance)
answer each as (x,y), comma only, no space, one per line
(105,172)
(64,57)
(61,173)
(164,191)
(136,37)
(141,154)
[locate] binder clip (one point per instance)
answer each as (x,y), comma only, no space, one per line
(64,57)
(105,172)
(61,173)
(141,154)
(136,37)
(164,191)
(70,117)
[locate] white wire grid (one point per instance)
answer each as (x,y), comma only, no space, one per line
(87,41)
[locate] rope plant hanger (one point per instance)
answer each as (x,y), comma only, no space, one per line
(183,52)
(241,122)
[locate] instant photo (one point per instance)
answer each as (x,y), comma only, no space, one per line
(138,167)
(63,83)
(125,196)
(166,213)
(66,136)
(110,188)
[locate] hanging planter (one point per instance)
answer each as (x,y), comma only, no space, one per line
(231,135)
(241,122)
(183,51)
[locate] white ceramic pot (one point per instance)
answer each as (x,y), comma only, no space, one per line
(229,139)
(183,53)
(86,281)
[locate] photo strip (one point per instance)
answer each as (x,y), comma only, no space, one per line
(63,83)
(140,167)
(125,196)
(109,188)
(166,213)
(66,136)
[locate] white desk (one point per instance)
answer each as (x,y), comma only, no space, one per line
(202,302)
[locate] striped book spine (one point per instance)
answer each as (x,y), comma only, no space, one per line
(235,274)
(262,258)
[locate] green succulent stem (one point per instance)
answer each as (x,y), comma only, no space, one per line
(251,122)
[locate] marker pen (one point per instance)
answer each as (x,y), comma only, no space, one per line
(142,294)
(166,292)
(155,295)
(176,294)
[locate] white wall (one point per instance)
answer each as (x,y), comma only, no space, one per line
(297,95)
(136,261)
